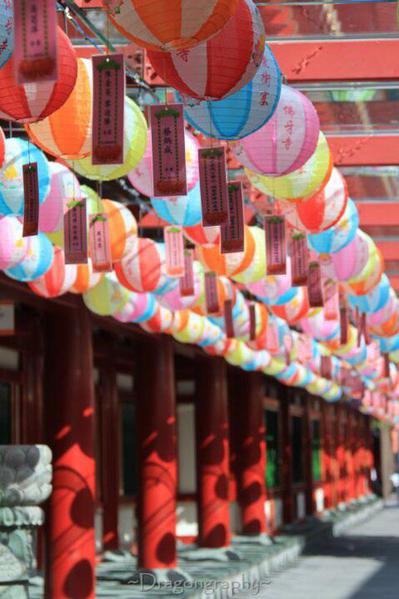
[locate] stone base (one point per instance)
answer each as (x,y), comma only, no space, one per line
(262,539)
(222,554)
(14,591)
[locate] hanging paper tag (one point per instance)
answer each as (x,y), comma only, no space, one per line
(344,323)
(187,281)
(168,150)
(305,352)
(174,245)
(108,109)
(276,250)
(330,295)
(252,322)
(232,233)
(99,239)
(213,181)
(211,293)
(228,319)
(314,286)
(75,232)
(326,367)
(31,200)
(35,41)
(299,260)
(272,344)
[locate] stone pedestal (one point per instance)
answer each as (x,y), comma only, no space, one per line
(25,483)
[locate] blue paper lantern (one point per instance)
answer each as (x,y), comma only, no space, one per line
(180,210)
(37,261)
(373,301)
(17,153)
(340,235)
(6,31)
(242,113)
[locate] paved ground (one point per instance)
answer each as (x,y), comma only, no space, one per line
(361,564)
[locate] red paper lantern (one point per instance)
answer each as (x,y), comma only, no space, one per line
(222,65)
(27,104)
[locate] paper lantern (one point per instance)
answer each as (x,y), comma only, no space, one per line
(299,184)
(86,278)
(384,313)
(242,113)
(160,322)
(369,277)
(2,146)
(174,300)
(193,331)
(228,264)
(257,268)
(274,289)
(13,247)
(18,153)
(222,65)
(166,26)
(37,260)
(107,297)
(350,260)
(226,290)
(145,308)
(141,177)
(373,301)
(58,279)
(64,188)
(315,325)
(340,235)
(122,224)
(287,140)
(6,31)
(180,210)
(143,268)
(67,131)
(295,309)
(35,101)
(200,235)
(135,141)
(321,210)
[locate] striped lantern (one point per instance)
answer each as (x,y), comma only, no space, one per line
(180,210)
(173,299)
(222,65)
(122,224)
(58,279)
(200,235)
(160,322)
(143,268)
(273,290)
(64,188)
(299,184)
(245,111)
(135,142)
(369,277)
(228,264)
(86,278)
(67,132)
(36,262)
(295,309)
(340,235)
(193,331)
(35,101)
(141,177)
(373,301)
(17,153)
(351,260)
(225,291)
(287,140)
(257,268)
(107,297)
(6,31)
(13,247)
(166,26)
(321,210)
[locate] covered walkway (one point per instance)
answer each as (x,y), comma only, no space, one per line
(363,563)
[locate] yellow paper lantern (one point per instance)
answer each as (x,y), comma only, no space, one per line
(257,268)
(108,297)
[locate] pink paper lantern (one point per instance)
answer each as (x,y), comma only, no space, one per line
(287,140)
(348,262)
(142,179)
(143,268)
(64,188)
(222,65)
(13,247)
(320,211)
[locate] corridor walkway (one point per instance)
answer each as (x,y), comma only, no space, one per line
(361,564)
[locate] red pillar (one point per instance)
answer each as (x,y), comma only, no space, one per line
(212,431)
(251,451)
(350,448)
(326,453)
(70,547)
(110,427)
(156,421)
(286,470)
(340,454)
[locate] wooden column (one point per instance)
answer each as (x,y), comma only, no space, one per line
(327,454)
(340,453)
(69,410)
(156,421)
(251,451)
(212,432)
(307,424)
(286,469)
